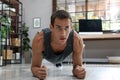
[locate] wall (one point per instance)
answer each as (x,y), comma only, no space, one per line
(36,8)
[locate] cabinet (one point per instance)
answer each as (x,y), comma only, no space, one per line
(11,31)
(99,47)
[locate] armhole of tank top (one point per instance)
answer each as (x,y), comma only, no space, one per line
(71,36)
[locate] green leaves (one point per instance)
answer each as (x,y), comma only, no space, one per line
(5,25)
(26,40)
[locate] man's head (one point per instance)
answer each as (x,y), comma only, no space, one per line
(61,25)
(61,14)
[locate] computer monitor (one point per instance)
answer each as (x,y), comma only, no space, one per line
(90,25)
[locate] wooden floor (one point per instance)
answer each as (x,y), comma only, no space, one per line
(94,72)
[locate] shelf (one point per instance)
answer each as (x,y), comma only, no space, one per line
(13,10)
(9,13)
(12,46)
(10,1)
(16,33)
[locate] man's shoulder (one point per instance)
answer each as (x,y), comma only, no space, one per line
(78,43)
(38,42)
(77,37)
(39,36)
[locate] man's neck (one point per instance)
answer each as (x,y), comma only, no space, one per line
(57,43)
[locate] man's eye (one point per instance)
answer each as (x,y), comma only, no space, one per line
(58,27)
(66,28)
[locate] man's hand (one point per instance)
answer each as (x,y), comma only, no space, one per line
(41,72)
(79,72)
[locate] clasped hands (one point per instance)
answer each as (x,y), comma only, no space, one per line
(41,72)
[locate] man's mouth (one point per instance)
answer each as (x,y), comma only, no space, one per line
(62,38)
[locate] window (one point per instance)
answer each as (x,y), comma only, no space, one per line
(106,10)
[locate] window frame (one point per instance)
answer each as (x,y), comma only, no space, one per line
(106,22)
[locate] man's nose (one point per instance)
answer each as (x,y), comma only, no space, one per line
(63,32)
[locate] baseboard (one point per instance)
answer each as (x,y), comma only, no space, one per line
(95,60)
(91,60)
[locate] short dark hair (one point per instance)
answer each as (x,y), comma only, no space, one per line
(61,14)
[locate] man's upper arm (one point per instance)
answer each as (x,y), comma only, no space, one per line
(37,48)
(77,50)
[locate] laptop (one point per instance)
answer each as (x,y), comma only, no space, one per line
(90,26)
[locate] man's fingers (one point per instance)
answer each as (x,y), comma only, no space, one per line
(44,66)
(42,74)
(79,69)
(42,71)
(80,72)
(42,77)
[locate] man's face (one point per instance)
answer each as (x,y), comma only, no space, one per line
(60,30)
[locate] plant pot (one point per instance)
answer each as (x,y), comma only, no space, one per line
(27,57)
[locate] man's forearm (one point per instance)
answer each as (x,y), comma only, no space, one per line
(32,70)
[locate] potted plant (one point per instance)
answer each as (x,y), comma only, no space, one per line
(26,43)
(5,27)
(76,27)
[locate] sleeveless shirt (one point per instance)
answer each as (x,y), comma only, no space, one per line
(49,54)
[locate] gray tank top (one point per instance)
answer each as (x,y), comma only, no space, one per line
(49,54)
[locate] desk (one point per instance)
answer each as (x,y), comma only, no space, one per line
(99,47)
(110,36)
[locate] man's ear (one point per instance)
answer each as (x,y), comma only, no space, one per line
(71,26)
(51,26)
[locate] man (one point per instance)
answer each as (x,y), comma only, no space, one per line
(55,44)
